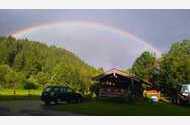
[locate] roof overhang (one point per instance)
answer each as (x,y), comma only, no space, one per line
(116,72)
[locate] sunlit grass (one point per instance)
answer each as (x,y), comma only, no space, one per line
(20,92)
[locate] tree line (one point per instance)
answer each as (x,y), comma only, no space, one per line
(29,64)
(168,71)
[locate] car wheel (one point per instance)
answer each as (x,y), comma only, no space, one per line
(47,103)
(55,101)
(178,101)
(174,100)
(73,100)
(58,100)
(51,102)
(79,100)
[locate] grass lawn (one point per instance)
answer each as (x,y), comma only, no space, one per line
(21,94)
(100,108)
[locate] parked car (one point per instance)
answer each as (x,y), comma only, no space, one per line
(57,94)
(182,94)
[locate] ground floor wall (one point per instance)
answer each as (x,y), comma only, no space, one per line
(112,92)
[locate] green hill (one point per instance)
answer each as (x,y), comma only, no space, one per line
(24,60)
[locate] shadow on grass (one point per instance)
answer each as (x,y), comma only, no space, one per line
(108,108)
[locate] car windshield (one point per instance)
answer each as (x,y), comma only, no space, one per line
(185,88)
(48,89)
(56,89)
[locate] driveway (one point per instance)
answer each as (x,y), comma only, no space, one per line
(29,108)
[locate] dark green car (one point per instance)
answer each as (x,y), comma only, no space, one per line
(57,94)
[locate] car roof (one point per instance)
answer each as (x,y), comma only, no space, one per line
(56,86)
(185,84)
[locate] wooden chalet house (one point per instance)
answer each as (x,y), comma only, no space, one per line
(116,83)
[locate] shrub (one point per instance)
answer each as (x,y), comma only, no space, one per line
(29,86)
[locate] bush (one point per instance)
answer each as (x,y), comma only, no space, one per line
(30,85)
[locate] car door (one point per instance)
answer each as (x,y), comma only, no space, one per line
(69,94)
(57,93)
(62,94)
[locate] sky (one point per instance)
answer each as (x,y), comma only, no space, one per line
(102,38)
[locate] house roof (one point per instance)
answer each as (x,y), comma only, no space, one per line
(112,71)
(115,71)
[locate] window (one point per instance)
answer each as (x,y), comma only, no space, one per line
(56,89)
(69,90)
(184,89)
(62,89)
(48,89)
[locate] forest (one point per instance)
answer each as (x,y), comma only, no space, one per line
(29,64)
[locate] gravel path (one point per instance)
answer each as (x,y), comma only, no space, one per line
(29,108)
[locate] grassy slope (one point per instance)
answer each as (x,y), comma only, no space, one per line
(116,109)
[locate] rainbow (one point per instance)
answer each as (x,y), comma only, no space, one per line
(86,24)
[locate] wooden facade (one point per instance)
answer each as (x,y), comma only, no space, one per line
(116,83)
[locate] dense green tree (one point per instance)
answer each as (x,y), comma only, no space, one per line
(4,69)
(28,85)
(13,79)
(43,78)
(175,65)
(172,69)
(144,65)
